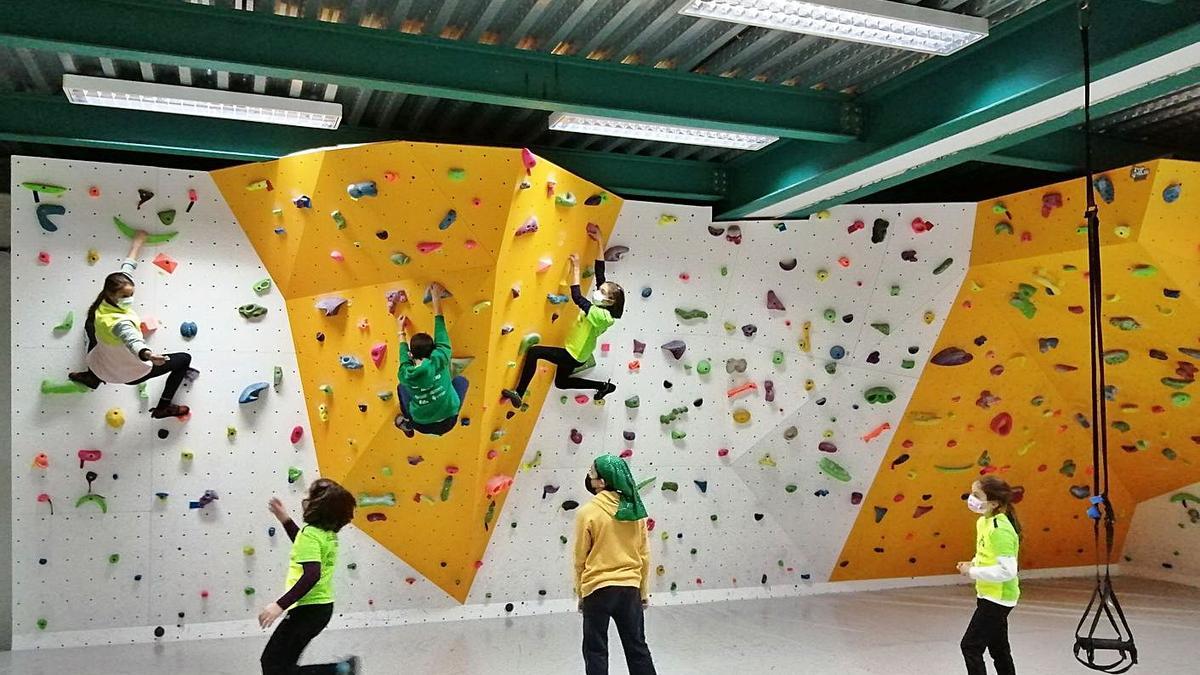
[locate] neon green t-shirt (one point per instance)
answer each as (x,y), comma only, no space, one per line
(581,340)
(995,537)
(314,545)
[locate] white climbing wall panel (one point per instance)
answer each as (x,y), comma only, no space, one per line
(745,528)
(1164,537)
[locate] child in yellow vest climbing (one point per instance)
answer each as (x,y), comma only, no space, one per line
(994,569)
(430,398)
(313,558)
(612,567)
(117,350)
(597,315)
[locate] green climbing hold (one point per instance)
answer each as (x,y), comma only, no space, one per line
(884,328)
(704,367)
(908,364)
(51,387)
(528,341)
(1027,308)
(829,315)
(670,486)
(943,266)
(338,219)
(261,287)
(1181,399)
(954,469)
(114,558)
(151,239)
(632,402)
(399,258)
(66,324)
(1124,323)
(777,357)
(143,391)
(252,311)
(44,187)
(1144,271)
(689,314)
(293,474)
(456,174)
(677,435)
(790,488)
(447,483)
(724,271)
(1003,228)
(249,590)
(879,395)
(1121,426)
(1180,497)
(42,623)
(1175,382)
(166,217)
(1116,356)
(834,470)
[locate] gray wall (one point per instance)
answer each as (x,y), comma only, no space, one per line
(5,432)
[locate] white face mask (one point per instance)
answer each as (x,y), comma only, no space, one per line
(598,297)
(977,505)
(125,302)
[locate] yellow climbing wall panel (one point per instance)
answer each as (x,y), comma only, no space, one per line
(1020,405)
(401,239)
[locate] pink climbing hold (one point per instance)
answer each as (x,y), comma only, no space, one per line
(649,524)
(740,390)
(89,456)
(428,246)
(297,434)
(723,452)
(920,225)
(528,227)
(1002,424)
(773,301)
(497,484)
(844,261)
(149,325)
(394,299)
(576,437)
(855,227)
(543,265)
(44,258)
(470,244)
(337,256)
(626,453)
(1050,201)
(379,353)
(876,432)
(582,399)
(165,263)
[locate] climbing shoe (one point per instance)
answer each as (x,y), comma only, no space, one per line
(87,378)
(512,397)
(609,388)
(404,424)
(171,410)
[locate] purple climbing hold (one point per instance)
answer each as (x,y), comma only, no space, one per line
(873,357)
(576,437)
(331,306)
(909,256)
(769,390)
(856,498)
(615,253)
(773,301)
(951,356)
(826,446)
(749,330)
(716,231)
(628,435)
(639,347)
(676,347)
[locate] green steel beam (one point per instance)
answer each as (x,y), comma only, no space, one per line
(198,36)
(1026,60)
(1063,151)
(30,118)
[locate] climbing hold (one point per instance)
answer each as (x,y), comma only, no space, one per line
(767,460)
(252,311)
(350,362)
(704,367)
(834,470)
(1126,323)
(367,499)
(837,352)
(741,415)
(885,328)
(822,275)
(115,418)
(827,446)
(556,299)
(787,264)
(951,356)
(676,348)
(689,314)
(1050,201)
(528,341)
(908,255)
(379,353)
(1080,491)
(646,291)
(428,246)
(677,435)
(741,390)
(769,391)
(733,234)
(576,436)
(144,196)
(773,301)
(921,226)
(331,305)
(44,211)
(448,219)
(615,253)
(879,231)
(528,227)
(1001,424)
(1003,228)
(943,266)
(879,395)
(735,366)
(568,200)
(749,330)
(1171,192)
(43,187)
(252,392)
(399,258)
(1114,357)
(1104,188)
(93,498)
(632,402)
(293,475)
(777,357)
(364,189)
(790,433)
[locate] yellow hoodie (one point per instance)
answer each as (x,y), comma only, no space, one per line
(609,552)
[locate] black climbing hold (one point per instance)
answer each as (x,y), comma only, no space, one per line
(362,407)
(716,231)
(1170,293)
(848,318)
(508,607)
(163,433)
(873,357)
(159,631)
(114,476)
(382,234)
(913,350)
(764,579)
(41,561)
(856,498)
(821,401)
(667,384)
(646,292)
(879,231)
(981,341)
(1158,354)
(320,337)
(570,505)
(703,485)
(137,577)
(806,576)
(181,615)
(880,512)
(628,435)
(909,256)
(697,403)
(542,592)
(758,516)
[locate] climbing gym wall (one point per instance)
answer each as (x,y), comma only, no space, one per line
(355,235)
(1008,392)
(761,368)
(1164,537)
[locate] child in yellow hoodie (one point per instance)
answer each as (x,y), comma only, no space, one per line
(612,567)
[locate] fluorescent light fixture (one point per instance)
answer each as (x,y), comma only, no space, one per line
(876,22)
(666,133)
(232,105)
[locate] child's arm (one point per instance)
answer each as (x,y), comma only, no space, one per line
(576,291)
(280,512)
(583,546)
(309,578)
(599,270)
(441,338)
(644,554)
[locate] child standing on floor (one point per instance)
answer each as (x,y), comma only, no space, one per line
(430,397)
(597,315)
(327,509)
(994,569)
(612,567)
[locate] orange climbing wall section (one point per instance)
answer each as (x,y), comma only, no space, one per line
(1035,371)
(387,244)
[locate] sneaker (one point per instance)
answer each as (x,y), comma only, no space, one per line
(609,388)
(191,374)
(404,424)
(349,666)
(172,410)
(87,378)
(513,397)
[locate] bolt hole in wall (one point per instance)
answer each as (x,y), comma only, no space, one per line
(763,377)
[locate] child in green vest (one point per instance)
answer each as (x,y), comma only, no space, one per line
(994,569)
(597,315)
(327,509)
(117,350)
(430,397)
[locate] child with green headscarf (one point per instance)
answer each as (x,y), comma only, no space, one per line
(612,566)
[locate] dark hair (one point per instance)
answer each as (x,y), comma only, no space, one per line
(112,283)
(328,505)
(421,345)
(1000,492)
(617,308)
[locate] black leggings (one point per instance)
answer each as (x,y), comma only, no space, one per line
(175,369)
(291,636)
(988,630)
(564,363)
(623,604)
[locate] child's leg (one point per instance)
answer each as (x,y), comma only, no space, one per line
(975,640)
(998,645)
(556,355)
(631,626)
(87,378)
(596,612)
(564,380)
(298,627)
(177,365)
(460,385)
(404,397)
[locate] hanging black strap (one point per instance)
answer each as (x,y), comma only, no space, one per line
(1103,603)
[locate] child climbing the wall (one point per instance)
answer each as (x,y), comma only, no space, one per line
(994,569)
(327,509)
(612,567)
(117,350)
(597,315)
(430,398)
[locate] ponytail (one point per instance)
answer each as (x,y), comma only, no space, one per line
(999,491)
(1011,512)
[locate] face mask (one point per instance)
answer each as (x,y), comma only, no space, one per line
(587,484)
(125,302)
(598,297)
(976,504)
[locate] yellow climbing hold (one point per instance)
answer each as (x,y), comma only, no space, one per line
(1049,283)
(929,317)
(809,385)
(767,460)
(926,419)
(741,415)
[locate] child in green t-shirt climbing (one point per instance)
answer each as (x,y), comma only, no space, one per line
(327,509)
(597,315)
(430,397)
(994,569)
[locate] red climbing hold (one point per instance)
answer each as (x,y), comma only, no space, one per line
(920,225)
(297,434)
(1002,424)
(428,246)
(855,227)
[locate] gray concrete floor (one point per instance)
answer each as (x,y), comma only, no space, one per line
(897,632)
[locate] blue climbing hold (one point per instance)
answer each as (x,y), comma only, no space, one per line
(251,393)
(350,362)
(188,329)
(1172,192)
(646,292)
(1104,188)
(837,352)
(451,216)
(44,211)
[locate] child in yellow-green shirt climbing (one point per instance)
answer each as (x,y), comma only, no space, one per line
(597,315)
(327,509)
(994,569)
(612,567)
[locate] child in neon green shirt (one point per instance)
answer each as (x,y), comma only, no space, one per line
(327,509)
(994,569)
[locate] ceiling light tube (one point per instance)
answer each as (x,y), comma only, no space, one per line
(170,98)
(665,133)
(876,22)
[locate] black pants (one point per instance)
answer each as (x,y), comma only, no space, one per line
(175,368)
(565,364)
(623,604)
(988,630)
(291,636)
